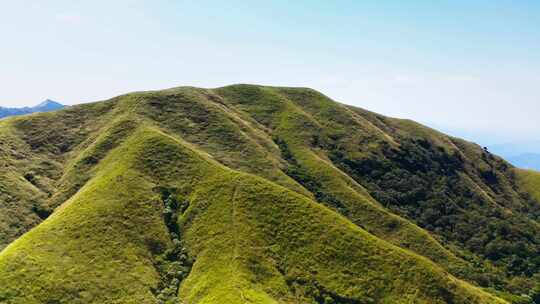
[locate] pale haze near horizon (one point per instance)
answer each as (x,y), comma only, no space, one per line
(470,68)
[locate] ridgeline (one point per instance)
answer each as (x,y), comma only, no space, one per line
(253,194)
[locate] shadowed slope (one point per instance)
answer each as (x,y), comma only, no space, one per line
(295,132)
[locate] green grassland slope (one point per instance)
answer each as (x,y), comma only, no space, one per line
(530,180)
(251,194)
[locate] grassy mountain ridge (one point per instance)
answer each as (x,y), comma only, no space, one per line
(201,169)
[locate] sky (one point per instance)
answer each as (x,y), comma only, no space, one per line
(471,68)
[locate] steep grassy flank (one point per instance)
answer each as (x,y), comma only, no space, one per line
(295,131)
(530,181)
(20,191)
(250,240)
(95,249)
(200,117)
(441,183)
(33,151)
(81,168)
(284,246)
(309,128)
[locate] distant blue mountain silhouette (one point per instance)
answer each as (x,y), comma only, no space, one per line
(45,106)
(526,161)
(524,154)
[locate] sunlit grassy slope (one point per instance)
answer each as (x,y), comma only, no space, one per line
(530,180)
(251,194)
(251,241)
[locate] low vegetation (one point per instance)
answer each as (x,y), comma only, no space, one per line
(257,194)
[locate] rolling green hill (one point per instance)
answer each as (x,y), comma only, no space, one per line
(252,194)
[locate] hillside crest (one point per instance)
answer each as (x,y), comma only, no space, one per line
(261,194)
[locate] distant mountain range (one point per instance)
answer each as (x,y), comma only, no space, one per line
(45,106)
(524,155)
(526,161)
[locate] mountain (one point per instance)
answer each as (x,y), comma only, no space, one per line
(516,148)
(521,154)
(256,194)
(45,106)
(526,161)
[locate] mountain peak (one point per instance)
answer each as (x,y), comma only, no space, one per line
(49,104)
(44,106)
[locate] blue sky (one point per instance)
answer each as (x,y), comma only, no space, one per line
(471,67)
